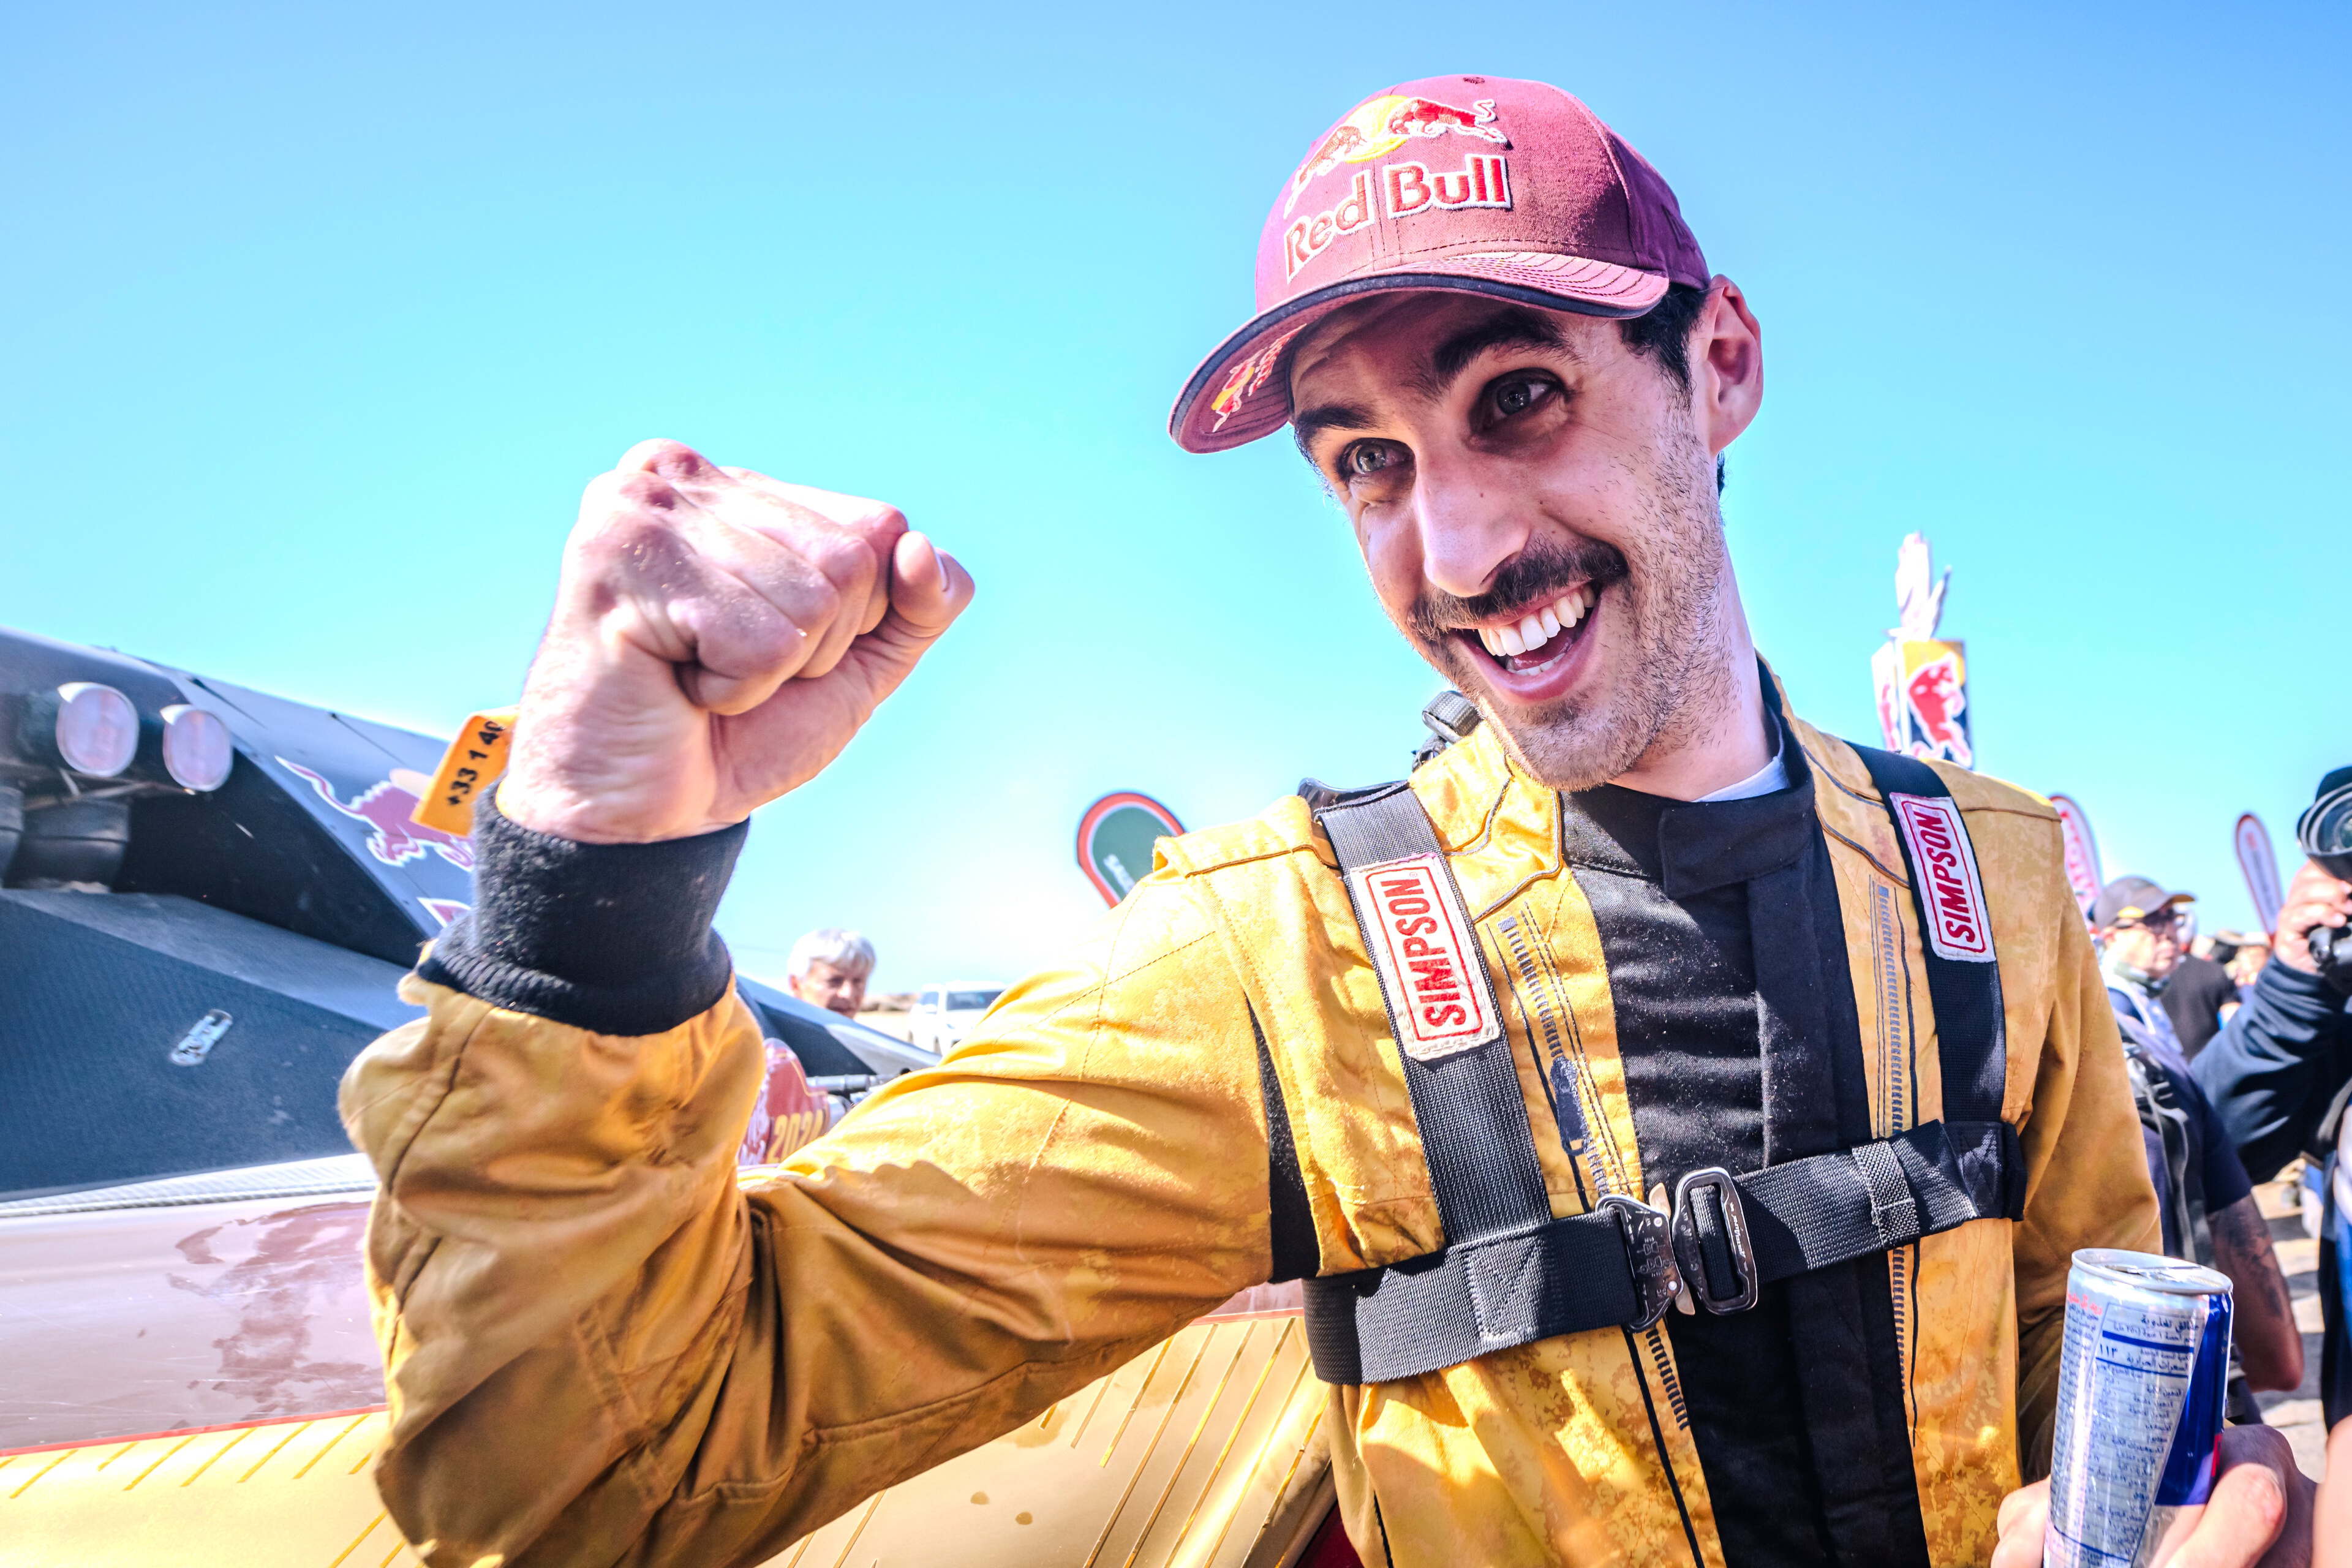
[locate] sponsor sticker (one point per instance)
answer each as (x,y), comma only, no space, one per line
(1427,955)
(1950,891)
(1406,187)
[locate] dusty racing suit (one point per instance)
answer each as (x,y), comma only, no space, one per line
(599,1351)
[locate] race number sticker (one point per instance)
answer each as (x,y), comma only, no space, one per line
(1427,955)
(1950,891)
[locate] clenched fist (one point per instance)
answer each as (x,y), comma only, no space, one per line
(718,638)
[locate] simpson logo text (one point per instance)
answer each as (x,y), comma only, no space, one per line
(1951,891)
(1404,187)
(1427,957)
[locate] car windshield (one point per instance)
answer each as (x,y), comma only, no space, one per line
(959,1001)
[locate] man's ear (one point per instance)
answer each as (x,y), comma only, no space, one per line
(1726,365)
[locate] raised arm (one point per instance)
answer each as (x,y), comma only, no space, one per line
(597,1349)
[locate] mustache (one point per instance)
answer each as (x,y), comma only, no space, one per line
(1534,576)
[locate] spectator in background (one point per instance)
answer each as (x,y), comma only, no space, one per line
(2279,1074)
(2245,962)
(830,968)
(2202,1187)
(2199,989)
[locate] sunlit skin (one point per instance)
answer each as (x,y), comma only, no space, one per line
(829,987)
(1492,458)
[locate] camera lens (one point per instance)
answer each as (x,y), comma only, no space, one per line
(2324,831)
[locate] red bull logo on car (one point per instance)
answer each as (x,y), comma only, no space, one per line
(393,838)
(1378,126)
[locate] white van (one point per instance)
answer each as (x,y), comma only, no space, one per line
(943,1014)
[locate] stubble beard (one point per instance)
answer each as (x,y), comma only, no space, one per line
(1665,680)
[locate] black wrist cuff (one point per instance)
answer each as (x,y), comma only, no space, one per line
(611,937)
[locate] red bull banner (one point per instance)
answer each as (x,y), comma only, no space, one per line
(2081,852)
(1922,685)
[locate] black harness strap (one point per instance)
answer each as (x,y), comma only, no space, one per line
(1473,1118)
(1964,991)
(1510,1274)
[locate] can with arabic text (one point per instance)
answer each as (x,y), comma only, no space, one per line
(2142,1377)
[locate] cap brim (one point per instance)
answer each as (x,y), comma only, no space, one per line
(1242,390)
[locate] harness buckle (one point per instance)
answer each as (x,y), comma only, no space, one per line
(1649,1253)
(1690,1255)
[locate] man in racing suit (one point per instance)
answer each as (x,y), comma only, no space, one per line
(1691,926)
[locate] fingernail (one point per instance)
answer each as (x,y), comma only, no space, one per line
(941,557)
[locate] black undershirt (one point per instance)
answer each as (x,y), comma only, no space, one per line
(1795,1406)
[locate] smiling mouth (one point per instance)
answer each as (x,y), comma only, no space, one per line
(1539,638)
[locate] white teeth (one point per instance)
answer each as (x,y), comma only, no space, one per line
(1533,631)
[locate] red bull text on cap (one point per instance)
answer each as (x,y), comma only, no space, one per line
(1467,183)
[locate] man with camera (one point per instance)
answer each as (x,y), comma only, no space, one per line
(2280,1072)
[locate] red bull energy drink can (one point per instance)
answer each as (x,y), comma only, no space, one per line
(2142,1376)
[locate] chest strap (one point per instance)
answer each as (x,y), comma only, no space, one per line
(1511,1274)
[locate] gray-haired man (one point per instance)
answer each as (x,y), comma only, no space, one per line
(830,968)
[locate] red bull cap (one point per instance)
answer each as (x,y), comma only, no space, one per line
(1468,183)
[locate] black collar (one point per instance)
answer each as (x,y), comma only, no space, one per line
(1694,846)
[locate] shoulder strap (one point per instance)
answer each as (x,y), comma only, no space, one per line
(1963,973)
(1449,1032)
(1963,979)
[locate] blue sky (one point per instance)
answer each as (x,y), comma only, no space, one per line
(316,319)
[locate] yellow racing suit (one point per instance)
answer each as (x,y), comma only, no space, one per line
(598,1350)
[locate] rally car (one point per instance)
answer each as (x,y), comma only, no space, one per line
(210,894)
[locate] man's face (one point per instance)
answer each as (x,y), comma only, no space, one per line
(1536,503)
(830,987)
(2152,946)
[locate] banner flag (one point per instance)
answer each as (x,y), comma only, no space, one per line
(2260,867)
(1923,699)
(2081,852)
(1921,680)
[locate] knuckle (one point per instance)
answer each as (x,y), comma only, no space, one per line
(662,455)
(825,602)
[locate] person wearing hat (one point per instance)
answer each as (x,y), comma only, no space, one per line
(2203,1194)
(1681,1119)
(2143,932)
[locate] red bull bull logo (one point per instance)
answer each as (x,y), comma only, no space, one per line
(1378,126)
(1938,700)
(1246,378)
(1922,685)
(393,838)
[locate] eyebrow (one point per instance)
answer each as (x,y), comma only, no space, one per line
(1309,423)
(1517,328)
